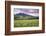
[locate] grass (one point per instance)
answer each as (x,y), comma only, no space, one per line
(26,23)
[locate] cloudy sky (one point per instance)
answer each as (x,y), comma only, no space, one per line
(33,12)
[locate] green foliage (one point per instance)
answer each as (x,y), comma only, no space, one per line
(19,17)
(26,23)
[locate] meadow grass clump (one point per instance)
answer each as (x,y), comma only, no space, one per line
(26,23)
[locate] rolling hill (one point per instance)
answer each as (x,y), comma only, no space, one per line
(24,16)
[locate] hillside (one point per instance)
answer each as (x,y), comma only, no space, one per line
(24,16)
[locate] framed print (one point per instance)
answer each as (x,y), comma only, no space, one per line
(24,17)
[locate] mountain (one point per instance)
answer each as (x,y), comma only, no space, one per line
(24,16)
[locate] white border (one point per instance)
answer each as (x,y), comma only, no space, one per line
(26,28)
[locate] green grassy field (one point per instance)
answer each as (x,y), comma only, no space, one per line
(26,23)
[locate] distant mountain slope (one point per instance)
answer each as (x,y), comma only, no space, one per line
(24,16)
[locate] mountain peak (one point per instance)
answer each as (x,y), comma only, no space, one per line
(22,14)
